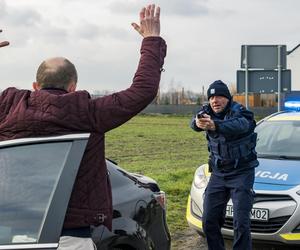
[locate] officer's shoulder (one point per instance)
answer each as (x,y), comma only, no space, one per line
(235,106)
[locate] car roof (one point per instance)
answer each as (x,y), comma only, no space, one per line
(284,116)
(44,139)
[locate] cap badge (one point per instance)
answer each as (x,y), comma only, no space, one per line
(212,91)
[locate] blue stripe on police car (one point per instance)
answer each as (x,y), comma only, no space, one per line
(278,172)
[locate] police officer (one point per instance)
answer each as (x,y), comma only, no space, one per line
(229,128)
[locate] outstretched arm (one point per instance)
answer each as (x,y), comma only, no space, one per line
(113,110)
(4,43)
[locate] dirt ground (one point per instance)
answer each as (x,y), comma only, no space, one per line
(190,240)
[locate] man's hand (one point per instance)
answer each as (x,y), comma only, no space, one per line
(205,123)
(4,43)
(149,21)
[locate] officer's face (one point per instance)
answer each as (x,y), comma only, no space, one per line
(218,103)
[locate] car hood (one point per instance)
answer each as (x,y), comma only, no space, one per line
(277,174)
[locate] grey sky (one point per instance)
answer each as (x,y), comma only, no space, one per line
(204,38)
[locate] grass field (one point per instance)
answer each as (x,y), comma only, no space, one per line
(164,148)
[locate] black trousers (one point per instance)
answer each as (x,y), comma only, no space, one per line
(219,190)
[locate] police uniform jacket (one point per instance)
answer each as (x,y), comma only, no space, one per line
(232,144)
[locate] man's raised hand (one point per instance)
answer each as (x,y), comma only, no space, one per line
(4,43)
(149,21)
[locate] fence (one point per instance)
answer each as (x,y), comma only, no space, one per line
(192,109)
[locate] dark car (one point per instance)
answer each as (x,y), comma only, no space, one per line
(36,180)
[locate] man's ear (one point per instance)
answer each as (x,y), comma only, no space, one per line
(36,86)
(72,87)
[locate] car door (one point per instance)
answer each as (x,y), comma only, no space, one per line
(36,180)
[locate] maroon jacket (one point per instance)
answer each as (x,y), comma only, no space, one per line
(24,113)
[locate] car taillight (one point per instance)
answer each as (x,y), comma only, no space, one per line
(160,197)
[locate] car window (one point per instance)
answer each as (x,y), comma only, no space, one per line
(280,138)
(28,176)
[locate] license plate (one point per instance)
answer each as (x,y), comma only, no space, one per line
(261,214)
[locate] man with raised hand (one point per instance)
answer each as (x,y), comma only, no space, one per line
(23,111)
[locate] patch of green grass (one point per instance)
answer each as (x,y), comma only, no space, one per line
(164,148)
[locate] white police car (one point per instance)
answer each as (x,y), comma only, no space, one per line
(275,216)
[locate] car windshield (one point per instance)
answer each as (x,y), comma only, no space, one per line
(28,176)
(278,139)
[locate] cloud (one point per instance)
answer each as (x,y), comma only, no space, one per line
(18,16)
(188,8)
(3,9)
(185,8)
(34,24)
(24,17)
(53,34)
(20,23)
(89,31)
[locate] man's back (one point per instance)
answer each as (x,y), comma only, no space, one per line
(50,111)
